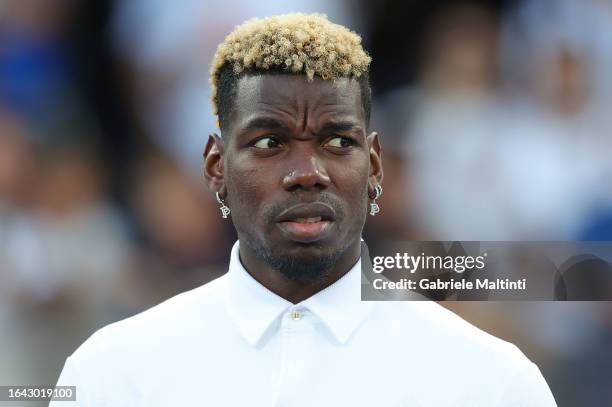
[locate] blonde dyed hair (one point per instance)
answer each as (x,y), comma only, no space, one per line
(296,43)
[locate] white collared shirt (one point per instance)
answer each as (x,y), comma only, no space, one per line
(233,342)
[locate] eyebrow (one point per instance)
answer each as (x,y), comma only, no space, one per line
(269,123)
(340,127)
(264,123)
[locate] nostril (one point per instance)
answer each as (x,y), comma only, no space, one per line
(293,187)
(304,181)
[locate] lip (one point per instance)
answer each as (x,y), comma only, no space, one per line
(291,227)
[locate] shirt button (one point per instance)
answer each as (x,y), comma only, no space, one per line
(296,315)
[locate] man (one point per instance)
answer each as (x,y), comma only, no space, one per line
(297,173)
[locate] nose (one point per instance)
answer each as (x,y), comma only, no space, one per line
(306,172)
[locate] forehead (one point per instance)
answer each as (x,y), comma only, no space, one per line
(296,95)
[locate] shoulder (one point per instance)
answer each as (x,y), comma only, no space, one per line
(485,370)
(429,325)
(158,326)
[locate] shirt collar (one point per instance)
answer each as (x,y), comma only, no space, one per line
(255,309)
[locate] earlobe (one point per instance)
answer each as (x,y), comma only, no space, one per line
(213,164)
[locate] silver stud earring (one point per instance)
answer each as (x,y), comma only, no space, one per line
(374,208)
(224,209)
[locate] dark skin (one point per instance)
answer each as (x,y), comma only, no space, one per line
(294,143)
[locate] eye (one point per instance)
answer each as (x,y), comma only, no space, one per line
(340,142)
(266,143)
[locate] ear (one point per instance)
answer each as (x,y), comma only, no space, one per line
(376,169)
(213,164)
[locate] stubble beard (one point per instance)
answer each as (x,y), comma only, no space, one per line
(306,269)
(302,268)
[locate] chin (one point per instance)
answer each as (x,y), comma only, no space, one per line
(306,250)
(306,268)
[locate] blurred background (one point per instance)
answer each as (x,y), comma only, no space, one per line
(495,120)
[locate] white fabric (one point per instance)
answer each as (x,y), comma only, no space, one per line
(232,342)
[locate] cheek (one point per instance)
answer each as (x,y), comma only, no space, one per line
(352,181)
(242,183)
(249,188)
(356,199)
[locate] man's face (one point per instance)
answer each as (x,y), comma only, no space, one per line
(296,166)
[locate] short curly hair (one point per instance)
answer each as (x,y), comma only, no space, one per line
(293,43)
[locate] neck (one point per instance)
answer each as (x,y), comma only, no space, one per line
(296,291)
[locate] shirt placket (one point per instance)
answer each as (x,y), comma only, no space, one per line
(297,330)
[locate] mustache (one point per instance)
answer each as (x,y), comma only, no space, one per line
(274,211)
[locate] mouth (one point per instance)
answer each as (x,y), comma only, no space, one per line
(307,223)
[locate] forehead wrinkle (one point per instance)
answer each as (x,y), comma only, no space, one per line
(302,107)
(340,101)
(276,109)
(281,103)
(331,113)
(320,92)
(274,96)
(286,116)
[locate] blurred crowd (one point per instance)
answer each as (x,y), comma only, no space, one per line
(494,118)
